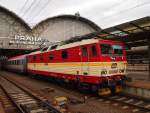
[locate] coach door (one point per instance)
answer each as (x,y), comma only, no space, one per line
(85,60)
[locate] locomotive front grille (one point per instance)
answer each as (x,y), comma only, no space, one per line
(113,71)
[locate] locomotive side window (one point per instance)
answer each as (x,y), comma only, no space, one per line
(106,49)
(51,56)
(84,51)
(41,57)
(64,54)
(34,57)
(94,51)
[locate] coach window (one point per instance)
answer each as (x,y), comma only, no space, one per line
(51,56)
(19,62)
(84,51)
(64,54)
(94,51)
(22,61)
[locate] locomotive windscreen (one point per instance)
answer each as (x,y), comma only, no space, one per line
(118,50)
(111,49)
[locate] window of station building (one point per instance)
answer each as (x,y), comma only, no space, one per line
(106,49)
(64,54)
(51,56)
(84,51)
(94,51)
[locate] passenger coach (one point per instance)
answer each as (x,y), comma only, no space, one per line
(17,64)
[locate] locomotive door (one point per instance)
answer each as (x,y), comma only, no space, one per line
(84,60)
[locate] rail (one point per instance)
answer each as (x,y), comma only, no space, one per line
(23,99)
(142,104)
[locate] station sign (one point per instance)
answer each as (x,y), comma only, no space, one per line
(28,40)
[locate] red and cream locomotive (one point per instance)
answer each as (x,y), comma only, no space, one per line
(97,63)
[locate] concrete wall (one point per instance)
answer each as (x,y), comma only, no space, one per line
(10,25)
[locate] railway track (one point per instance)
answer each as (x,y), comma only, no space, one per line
(135,103)
(140,104)
(132,103)
(23,99)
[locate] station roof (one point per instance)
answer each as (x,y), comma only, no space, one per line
(74,17)
(7,11)
(134,33)
(23,22)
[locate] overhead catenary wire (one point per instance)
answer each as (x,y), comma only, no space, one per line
(120,12)
(21,10)
(35,6)
(42,8)
(28,9)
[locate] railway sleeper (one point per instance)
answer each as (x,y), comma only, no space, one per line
(33,107)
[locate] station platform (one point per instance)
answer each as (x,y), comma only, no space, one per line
(138,86)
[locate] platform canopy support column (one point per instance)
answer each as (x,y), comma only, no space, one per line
(149,57)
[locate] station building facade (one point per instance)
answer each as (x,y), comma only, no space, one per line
(58,28)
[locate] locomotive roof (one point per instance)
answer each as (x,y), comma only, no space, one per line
(74,44)
(17,57)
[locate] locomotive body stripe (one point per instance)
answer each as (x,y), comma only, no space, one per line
(79,64)
(93,68)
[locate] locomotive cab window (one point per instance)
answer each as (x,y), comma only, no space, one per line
(51,56)
(84,51)
(106,49)
(64,54)
(94,51)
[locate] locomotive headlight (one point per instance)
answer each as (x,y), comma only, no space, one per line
(103,72)
(121,70)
